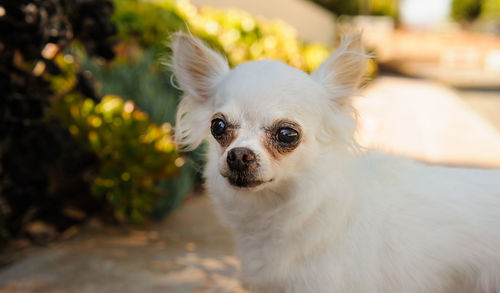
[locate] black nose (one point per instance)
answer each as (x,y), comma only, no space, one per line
(241,159)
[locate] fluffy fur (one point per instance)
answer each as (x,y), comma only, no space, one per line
(328,218)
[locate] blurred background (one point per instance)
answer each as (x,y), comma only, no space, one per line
(94,196)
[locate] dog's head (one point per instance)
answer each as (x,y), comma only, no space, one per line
(265,121)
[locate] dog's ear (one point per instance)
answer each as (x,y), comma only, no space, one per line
(198,69)
(342,73)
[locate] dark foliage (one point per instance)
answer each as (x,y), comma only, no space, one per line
(339,7)
(467,10)
(363,7)
(43,170)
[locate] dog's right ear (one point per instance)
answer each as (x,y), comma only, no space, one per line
(342,73)
(198,69)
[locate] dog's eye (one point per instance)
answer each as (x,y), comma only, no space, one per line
(287,136)
(218,128)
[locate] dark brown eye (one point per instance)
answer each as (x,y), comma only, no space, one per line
(218,128)
(287,136)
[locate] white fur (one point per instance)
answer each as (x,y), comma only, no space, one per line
(334,219)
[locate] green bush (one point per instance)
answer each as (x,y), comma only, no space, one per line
(384,8)
(134,153)
(239,35)
(490,10)
(149,23)
(143,80)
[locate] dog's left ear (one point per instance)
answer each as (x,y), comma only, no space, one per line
(196,67)
(342,73)
(198,70)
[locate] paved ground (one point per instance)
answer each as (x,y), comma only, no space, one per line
(431,122)
(191,252)
(484,103)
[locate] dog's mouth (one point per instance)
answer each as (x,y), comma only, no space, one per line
(244,181)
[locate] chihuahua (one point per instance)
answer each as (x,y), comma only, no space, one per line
(310,210)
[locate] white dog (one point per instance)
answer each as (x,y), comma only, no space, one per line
(310,212)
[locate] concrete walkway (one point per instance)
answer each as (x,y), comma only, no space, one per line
(431,122)
(191,252)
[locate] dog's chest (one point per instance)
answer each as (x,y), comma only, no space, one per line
(292,269)
(279,255)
